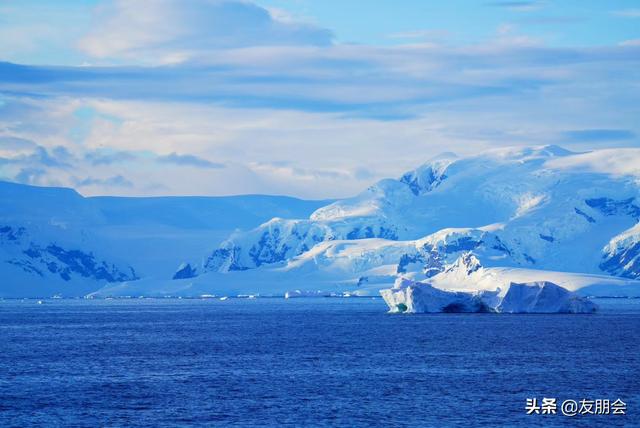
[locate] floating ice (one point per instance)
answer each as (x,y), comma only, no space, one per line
(535,297)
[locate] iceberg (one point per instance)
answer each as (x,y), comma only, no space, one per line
(543,297)
(418,297)
(409,296)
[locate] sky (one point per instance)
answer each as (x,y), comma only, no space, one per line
(315,99)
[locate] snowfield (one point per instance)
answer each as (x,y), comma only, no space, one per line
(466,225)
(54,241)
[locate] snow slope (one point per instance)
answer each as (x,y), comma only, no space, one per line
(540,208)
(363,268)
(474,223)
(54,241)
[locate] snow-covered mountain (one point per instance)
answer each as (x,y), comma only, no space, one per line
(54,241)
(541,208)
(478,222)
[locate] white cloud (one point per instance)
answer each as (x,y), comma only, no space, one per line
(258,103)
(173,31)
(303,153)
(627,13)
(632,42)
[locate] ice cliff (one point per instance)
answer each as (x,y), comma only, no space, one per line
(533,297)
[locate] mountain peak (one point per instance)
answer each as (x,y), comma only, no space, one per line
(528,153)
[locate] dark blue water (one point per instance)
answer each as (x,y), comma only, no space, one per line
(306,362)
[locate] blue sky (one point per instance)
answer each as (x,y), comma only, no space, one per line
(308,98)
(560,23)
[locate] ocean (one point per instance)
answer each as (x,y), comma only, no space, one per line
(307,362)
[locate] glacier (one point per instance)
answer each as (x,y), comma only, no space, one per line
(409,296)
(517,208)
(515,215)
(55,241)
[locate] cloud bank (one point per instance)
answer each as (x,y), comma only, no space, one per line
(226,97)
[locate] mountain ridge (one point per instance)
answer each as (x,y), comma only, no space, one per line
(536,209)
(496,198)
(141,237)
